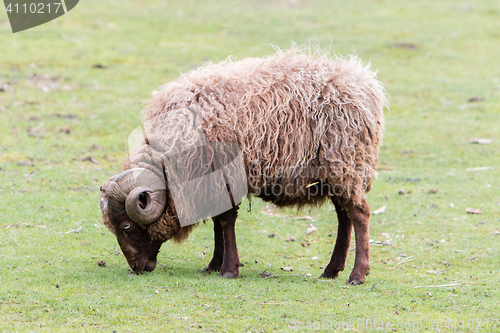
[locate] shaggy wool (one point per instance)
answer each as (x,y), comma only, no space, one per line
(301,118)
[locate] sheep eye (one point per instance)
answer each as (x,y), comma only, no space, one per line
(126,226)
(100,189)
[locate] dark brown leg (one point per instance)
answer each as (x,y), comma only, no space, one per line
(231,262)
(339,255)
(360,217)
(216,262)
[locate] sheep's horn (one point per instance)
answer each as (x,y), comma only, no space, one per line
(141,192)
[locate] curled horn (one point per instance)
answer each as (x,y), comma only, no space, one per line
(142,192)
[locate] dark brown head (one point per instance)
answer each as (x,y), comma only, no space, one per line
(130,202)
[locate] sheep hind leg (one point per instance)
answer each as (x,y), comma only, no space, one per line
(360,217)
(218,256)
(231,262)
(344,230)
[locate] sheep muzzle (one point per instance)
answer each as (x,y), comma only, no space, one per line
(142,265)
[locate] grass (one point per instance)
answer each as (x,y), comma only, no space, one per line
(432,57)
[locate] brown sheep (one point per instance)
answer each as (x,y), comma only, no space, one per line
(308,126)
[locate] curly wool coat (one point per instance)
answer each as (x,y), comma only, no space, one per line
(301,119)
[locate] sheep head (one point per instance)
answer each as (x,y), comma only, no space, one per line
(130,201)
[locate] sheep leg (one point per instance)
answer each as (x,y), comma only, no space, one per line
(216,262)
(231,261)
(344,230)
(360,217)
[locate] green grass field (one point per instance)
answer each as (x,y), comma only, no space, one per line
(72,90)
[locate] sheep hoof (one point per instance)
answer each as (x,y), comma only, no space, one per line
(354,282)
(327,275)
(228,275)
(209,269)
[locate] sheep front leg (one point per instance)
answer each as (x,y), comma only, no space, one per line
(231,262)
(342,243)
(360,217)
(216,262)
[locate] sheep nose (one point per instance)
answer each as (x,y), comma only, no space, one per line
(143,265)
(150,266)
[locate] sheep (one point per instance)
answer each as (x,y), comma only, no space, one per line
(308,127)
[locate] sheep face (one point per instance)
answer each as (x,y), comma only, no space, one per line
(127,208)
(136,244)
